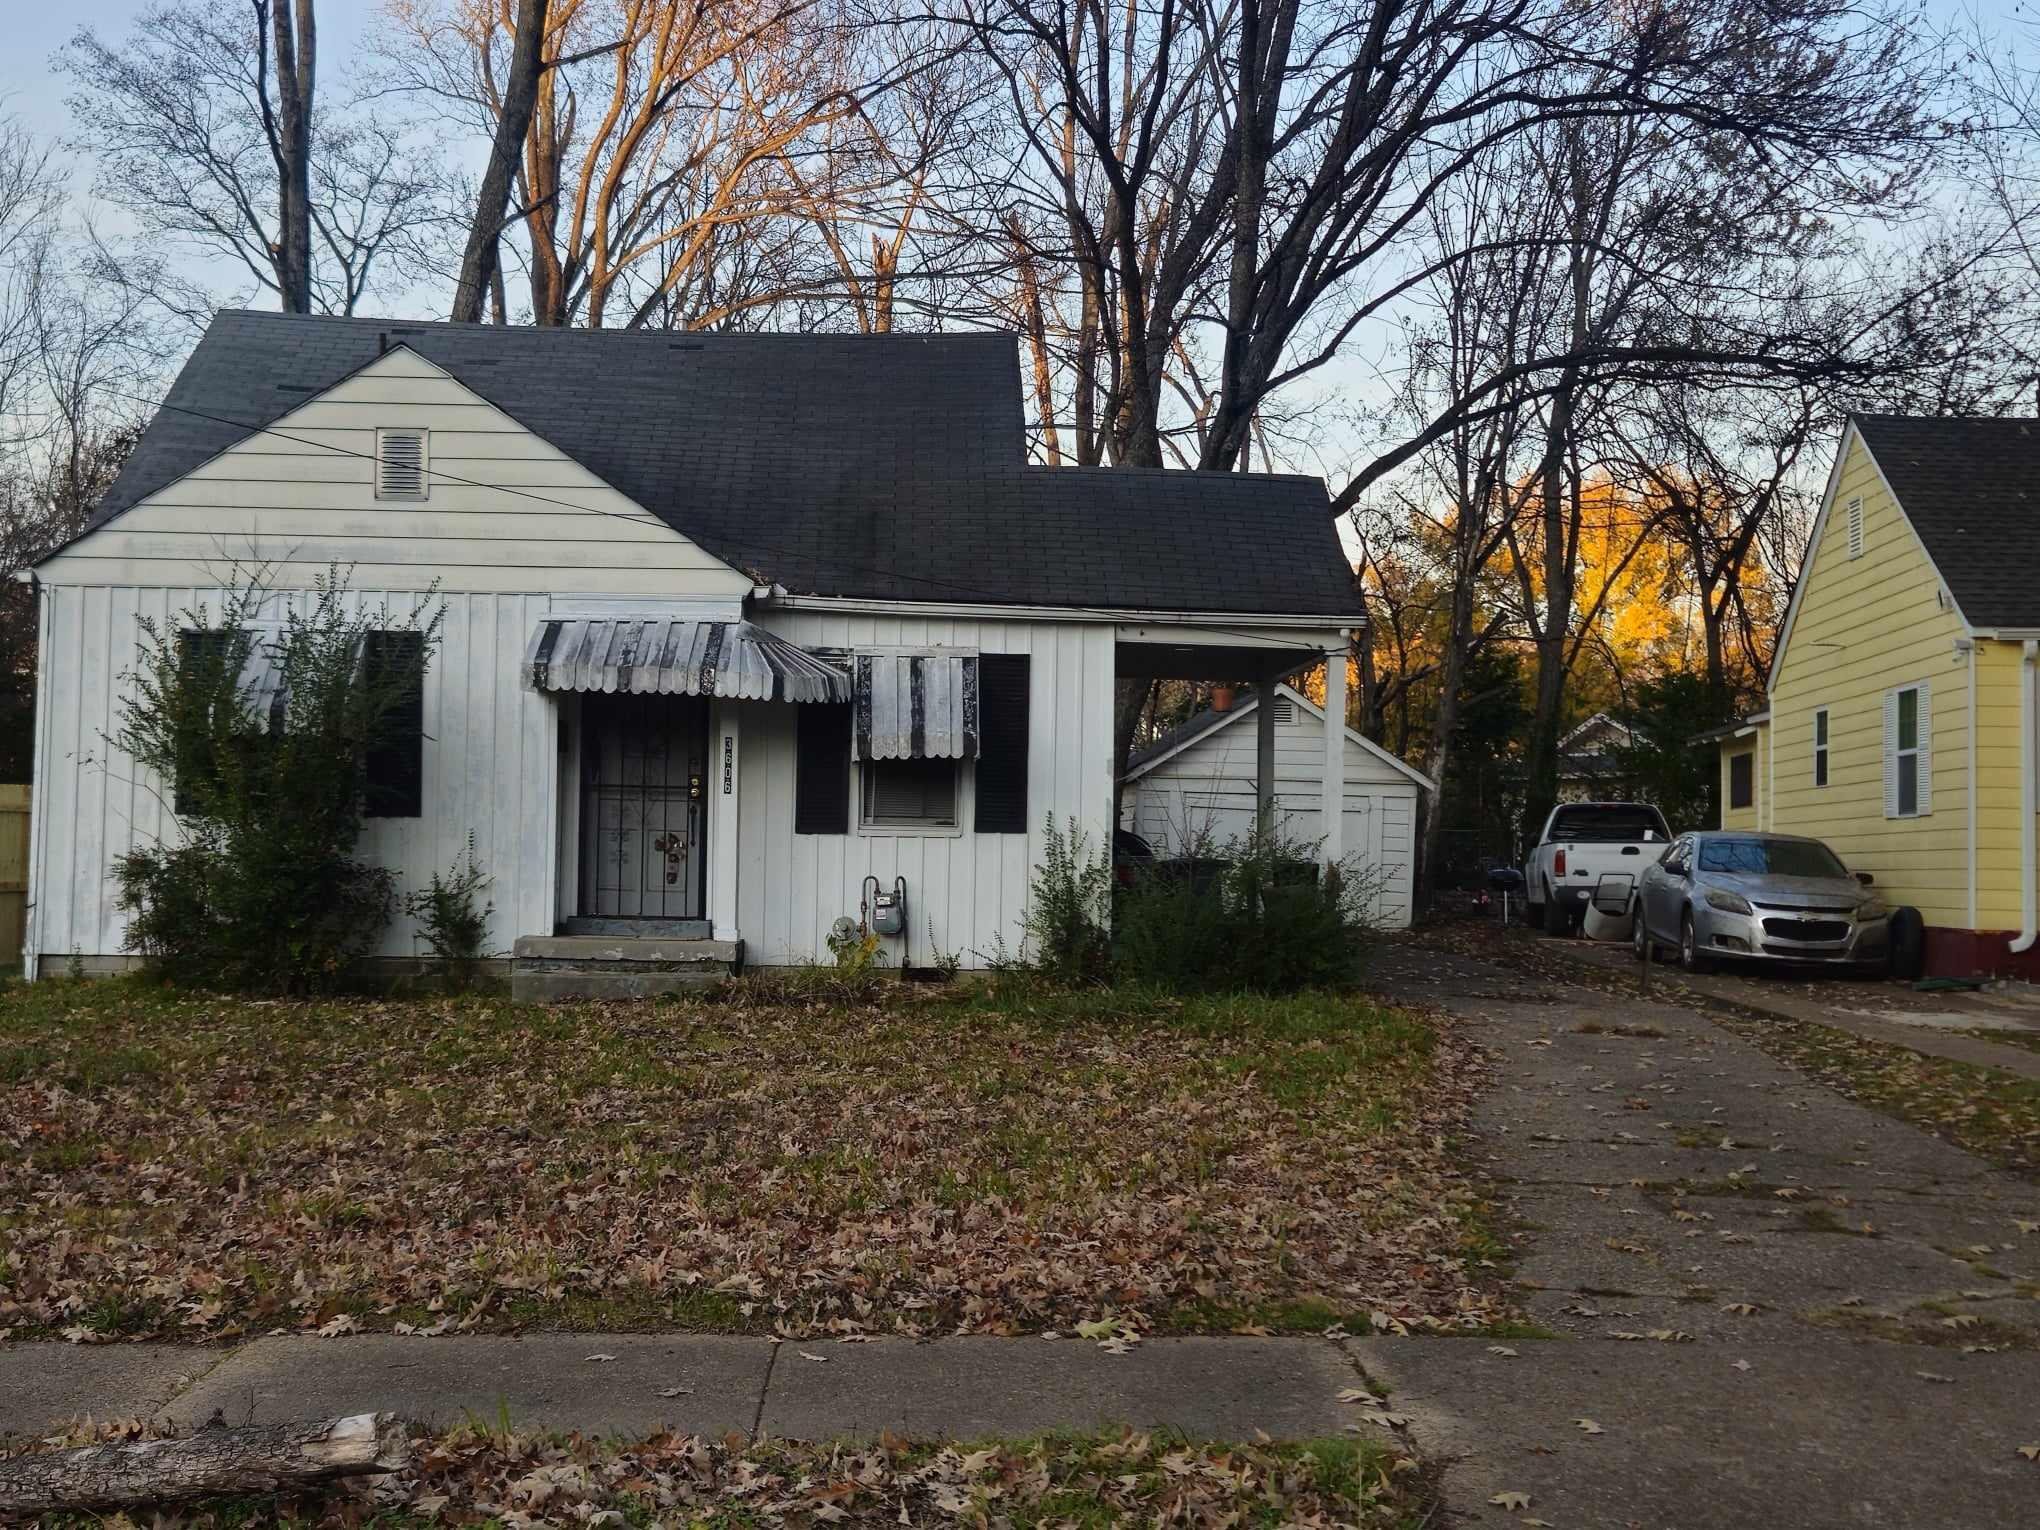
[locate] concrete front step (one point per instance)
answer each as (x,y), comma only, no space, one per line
(547,968)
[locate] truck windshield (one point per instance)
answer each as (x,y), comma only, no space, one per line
(1614,822)
(1770,857)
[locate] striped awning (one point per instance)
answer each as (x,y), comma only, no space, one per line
(917,706)
(735,660)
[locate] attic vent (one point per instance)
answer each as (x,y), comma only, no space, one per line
(1855,528)
(400,464)
(1285,710)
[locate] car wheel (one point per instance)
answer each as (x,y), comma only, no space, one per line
(1690,955)
(1639,941)
(1556,920)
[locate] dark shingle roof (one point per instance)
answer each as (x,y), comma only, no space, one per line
(889,467)
(1971,488)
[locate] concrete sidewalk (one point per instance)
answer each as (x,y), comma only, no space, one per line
(636,1385)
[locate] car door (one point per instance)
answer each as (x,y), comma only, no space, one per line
(1665,887)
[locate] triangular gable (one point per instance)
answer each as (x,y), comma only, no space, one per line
(301,488)
(1246,708)
(1850,434)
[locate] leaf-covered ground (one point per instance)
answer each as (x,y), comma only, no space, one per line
(1986,1111)
(990,1159)
(470,1477)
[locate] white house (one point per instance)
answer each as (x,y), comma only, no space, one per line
(733,623)
(1201,781)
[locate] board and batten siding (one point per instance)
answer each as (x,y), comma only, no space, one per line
(1864,626)
(966,891)
(288,502)
(1207,790)
(489,766)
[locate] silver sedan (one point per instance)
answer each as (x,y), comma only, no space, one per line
(1768,897)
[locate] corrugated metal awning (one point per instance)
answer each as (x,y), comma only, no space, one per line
(917,706)
(735,660)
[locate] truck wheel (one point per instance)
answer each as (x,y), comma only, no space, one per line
(1556,920)
(1691,957)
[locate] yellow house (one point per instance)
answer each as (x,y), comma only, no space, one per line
(1901,719)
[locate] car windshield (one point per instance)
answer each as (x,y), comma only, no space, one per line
(1770,857)
(1612,821)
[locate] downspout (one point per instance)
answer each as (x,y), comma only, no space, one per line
(2029,929)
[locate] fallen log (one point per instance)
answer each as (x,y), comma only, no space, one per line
(266,1458)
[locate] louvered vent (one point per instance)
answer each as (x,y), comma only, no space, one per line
(400,464)
(1285,710)
(1855,528)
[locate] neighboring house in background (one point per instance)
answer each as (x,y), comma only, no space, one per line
(1901,718)
(733,623)
(1589,767)
(1198,781)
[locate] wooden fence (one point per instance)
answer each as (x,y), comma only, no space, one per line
(13,873)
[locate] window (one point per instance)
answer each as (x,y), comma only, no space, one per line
(1820,746)
(1770,857)
(394,764)
(401,464)
(1742,779)
(909,794)
(1908,768)
(1855,528)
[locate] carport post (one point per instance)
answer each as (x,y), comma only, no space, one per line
(1264,748)
(1335,754)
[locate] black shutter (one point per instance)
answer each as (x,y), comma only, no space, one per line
(395,760)
(821,780)
(201,657)
(1002,743)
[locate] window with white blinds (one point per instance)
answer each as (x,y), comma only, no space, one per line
(908,794)
(401,468)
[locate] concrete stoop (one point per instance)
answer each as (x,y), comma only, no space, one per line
(547,968)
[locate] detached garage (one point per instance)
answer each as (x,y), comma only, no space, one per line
(1199,781)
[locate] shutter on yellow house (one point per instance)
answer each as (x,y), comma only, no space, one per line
(1926,767)
(1891,754)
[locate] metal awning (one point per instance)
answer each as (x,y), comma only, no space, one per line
(917,706)
(734,660)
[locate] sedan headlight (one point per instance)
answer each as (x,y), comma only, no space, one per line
(1873,910)
(1727,902)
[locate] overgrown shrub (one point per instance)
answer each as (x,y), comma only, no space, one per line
(1069,907)
(452,920)
(1256,915)
(263,891)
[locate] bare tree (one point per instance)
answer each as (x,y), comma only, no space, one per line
(479,264)
(202,124)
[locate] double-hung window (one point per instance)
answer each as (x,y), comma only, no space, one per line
(1820,746)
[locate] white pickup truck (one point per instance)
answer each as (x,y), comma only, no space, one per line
(1581,842)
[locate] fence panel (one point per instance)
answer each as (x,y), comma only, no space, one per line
(13,872)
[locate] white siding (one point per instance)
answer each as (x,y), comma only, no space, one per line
(965,891)
(489,761)
(302,492)
(1208,789)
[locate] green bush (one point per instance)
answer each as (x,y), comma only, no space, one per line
(1069,907)
(454,924)
(263,892)
(1256,915)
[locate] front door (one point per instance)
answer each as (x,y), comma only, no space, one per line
(644,807)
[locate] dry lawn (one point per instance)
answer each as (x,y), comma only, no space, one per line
(991,1159)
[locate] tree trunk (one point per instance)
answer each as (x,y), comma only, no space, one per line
(1130,701)
(296,40)
(520,96)
(268,1459)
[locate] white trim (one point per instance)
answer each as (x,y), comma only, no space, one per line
(1971,774)
(1353,736)
(1827,504)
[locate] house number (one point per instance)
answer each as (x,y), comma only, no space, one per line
(729,750)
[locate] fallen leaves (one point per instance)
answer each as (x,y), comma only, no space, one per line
(1511,1501)
(1588,1426)
(982,1162)
(471,1476)
(2030,1452)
